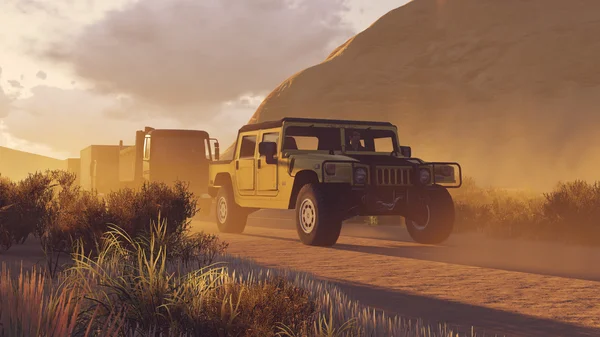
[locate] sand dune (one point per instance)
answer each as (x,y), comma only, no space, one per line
(504,87)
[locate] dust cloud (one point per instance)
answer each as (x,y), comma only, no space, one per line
(508,89)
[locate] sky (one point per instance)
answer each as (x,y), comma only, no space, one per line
(80,72)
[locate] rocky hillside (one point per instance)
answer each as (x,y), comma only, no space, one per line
(508,88)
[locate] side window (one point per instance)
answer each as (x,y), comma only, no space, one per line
(271,137)
(248,147)
(147,148)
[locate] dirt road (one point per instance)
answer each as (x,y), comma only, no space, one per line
(511,288)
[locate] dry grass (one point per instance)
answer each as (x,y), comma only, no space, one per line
(133,288)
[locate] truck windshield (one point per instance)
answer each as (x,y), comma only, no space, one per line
(322,138)
(180,147)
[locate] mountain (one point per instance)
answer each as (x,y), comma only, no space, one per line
(509,88)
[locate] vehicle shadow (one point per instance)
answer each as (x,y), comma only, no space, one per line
(462,316)
(528,257)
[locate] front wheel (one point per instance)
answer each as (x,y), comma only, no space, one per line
(436,220)
(317,222)
(231,218)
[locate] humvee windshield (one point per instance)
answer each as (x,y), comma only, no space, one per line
(324,138)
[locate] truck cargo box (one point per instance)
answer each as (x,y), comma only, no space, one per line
(74,166)
(100,168)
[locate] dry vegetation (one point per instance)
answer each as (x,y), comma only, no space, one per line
(131,274)
(570,213)
(126,278)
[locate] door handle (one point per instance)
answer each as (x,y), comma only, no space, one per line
(258,163)
(237,165)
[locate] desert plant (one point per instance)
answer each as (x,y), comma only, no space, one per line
(132,209)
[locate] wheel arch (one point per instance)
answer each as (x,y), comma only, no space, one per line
(300,179)
(222,179)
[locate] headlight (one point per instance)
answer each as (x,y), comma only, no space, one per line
(360,175)
(424,176)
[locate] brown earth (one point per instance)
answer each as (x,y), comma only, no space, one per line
(515,83)
(506,287)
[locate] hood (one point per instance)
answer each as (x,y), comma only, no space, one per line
(326,156)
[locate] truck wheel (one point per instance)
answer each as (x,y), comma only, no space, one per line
(231,218)
(317,222)
(437,221)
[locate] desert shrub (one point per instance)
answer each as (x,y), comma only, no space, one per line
(24,207)
(573,210)
(198,250)
(132,209)
(72,214)
(6,191)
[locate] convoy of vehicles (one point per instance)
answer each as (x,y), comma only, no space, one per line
(327,170)
(163,155)
(330,171)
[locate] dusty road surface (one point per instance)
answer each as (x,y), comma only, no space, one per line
(511,288)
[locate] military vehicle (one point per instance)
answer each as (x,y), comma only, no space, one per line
(330,171)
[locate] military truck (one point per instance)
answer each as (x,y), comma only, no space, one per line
(158,155)
(330,171)
(166,155)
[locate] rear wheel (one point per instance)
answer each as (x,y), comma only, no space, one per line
(231,218)
(317,222)
(436,218)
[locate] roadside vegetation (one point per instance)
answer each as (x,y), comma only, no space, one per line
(130,267)
(569,214)
(126,264)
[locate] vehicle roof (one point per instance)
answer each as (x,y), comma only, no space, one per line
(279,123)
(171,132)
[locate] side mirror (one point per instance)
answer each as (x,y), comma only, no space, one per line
(406,151)
(269,150)
(217,154)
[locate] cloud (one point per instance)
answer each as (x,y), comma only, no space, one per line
(187,53)
(15,84)
(5,101)
(66,121)
(41,75)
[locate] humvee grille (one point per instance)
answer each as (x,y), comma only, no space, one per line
(393,176)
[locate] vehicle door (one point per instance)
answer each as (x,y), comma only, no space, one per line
(245,163)
(266,174)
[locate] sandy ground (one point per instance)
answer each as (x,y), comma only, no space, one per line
(506,287)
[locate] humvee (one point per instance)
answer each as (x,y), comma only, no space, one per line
(312,166)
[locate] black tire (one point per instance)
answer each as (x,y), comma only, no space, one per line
(234,218)
(324,223)
(441,218)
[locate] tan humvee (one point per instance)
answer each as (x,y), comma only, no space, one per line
(315,167)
